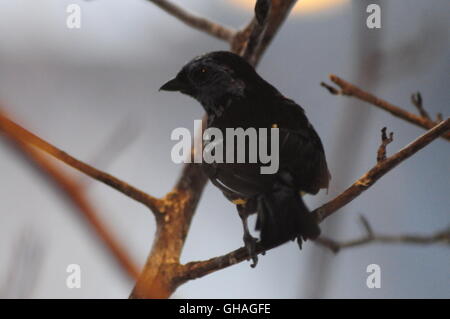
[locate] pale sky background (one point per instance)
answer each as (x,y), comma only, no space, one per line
(75,87)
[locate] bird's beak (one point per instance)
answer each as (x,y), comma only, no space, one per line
(173,85)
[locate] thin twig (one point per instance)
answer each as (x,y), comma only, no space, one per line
(442,237)
(416,100)
(373,175)
(330,88)
(199,269)
(24,135)
(196,22)
(366,225)
(349,89)
(70,190)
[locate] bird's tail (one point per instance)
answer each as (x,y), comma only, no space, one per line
(282,216)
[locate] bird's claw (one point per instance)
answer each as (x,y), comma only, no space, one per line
(250,245)
(300,242)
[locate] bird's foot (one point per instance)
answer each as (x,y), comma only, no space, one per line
(250,245)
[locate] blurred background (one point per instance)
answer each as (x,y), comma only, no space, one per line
(93,92)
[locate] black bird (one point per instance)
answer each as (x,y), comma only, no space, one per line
(235,96)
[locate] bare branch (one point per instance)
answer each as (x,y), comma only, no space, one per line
(373,175)
(70,190)
(441,237)
(199,269)
(349,89)
(196,22)
(24,135)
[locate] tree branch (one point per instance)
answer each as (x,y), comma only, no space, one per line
(349,89)
(199,23)
(380,169)
(26,136)
(194,270)
(70,190)
(441,237)
(259,36)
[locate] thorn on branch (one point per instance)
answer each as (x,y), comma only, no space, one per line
(381,154)
(439,117)
(416,100)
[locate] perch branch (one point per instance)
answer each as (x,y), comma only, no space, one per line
(349,89)
(199,269)
(442,237)
(70,190)
(24,135)
(199,23)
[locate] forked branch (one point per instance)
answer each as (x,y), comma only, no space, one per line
(70,190)
(7,125)
(348,89)
(440,237)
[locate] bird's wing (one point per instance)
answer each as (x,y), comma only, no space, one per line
(301,150)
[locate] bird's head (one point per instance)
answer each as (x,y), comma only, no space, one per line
(212,77)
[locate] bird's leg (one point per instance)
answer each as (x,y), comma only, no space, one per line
(249,240)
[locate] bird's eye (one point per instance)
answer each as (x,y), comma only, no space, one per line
(200,75)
